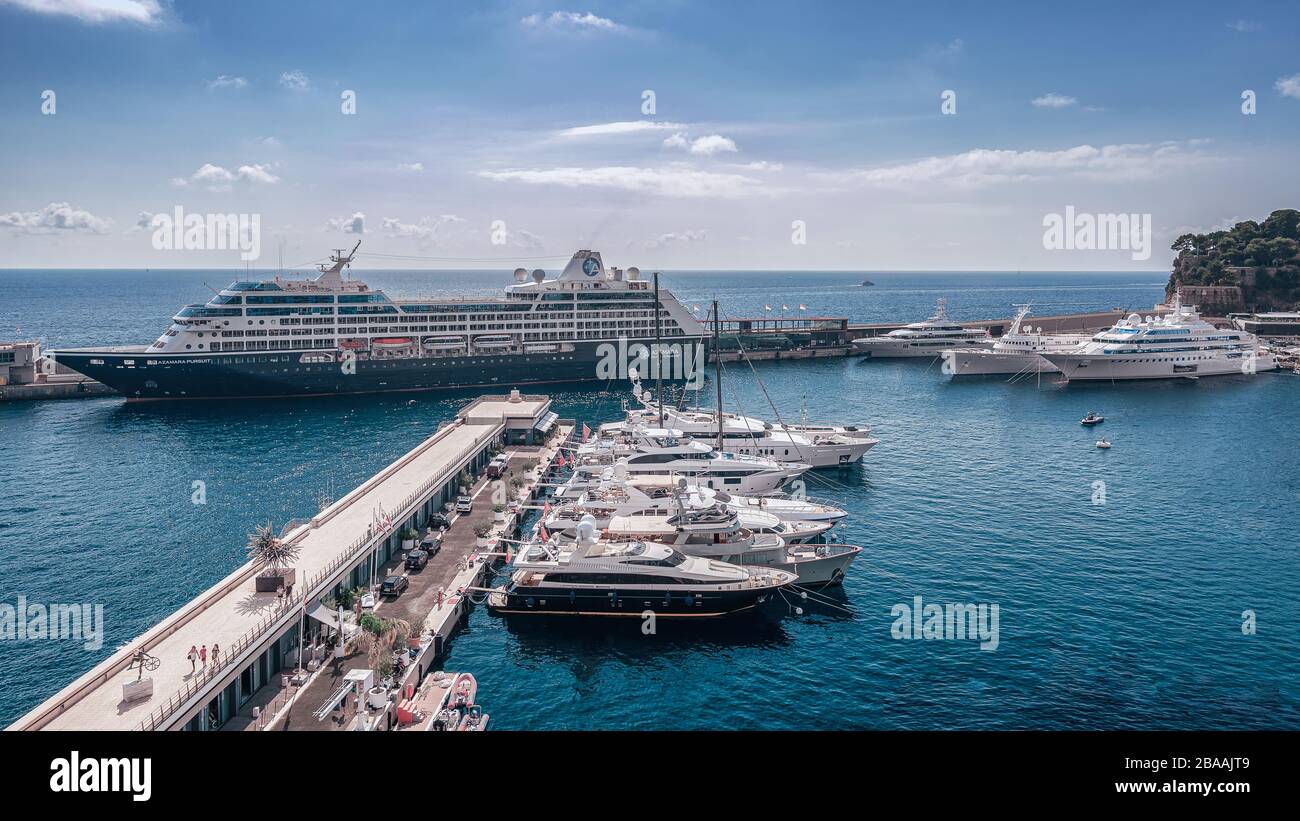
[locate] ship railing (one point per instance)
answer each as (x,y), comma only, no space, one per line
(234,655)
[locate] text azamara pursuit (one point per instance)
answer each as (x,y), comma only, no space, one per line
(332,334)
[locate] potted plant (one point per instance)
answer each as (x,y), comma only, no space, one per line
(408,538)
(498,513)
(465,481)
(481,531)
(378,637)
(271,551)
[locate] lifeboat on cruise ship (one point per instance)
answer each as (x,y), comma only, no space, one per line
(390,343)
(352,345)
(543,347)
(489,341)
(443,343)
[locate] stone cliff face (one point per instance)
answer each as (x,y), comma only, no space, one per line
(1252,266)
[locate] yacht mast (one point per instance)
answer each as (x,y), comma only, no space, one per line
(659,356)
(717,367)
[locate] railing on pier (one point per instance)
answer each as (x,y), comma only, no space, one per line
(257,633)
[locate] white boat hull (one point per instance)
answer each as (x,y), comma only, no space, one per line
(1121,367)
(984,363)
(881,347)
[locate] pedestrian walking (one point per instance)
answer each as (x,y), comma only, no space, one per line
(203,656)
(193,655)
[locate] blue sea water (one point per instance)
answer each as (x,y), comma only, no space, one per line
(1126,614)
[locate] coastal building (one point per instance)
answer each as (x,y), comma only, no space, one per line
(268,635)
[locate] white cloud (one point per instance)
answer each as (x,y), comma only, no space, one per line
(712,144)
(146,12)
(981,167)
(703,146)
(268,142)
(1054,100)
(617,129)
(525,240)
(227,81)
(355,224)
(676,237)
(1243,26)
(217,178)
(57,216)
(572,21)
(410,167)
(670,182)
(760,165)
(426,229)
(295,80)
(1289,86)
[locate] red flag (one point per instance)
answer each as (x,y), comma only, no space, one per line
(542,534)
(546,510)
(586,431)
(509,555)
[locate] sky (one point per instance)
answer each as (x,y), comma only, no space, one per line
(681,135)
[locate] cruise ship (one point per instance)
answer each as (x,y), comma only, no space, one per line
(1179,344)
(927,338)
(333,334)
(1019,351)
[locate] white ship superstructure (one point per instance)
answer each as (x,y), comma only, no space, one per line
(1019,351)
(1178,344)
(927,338)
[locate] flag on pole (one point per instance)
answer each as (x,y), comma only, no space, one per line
(542,534)
(785,307)
(546,510)
(802,307)
(586,432)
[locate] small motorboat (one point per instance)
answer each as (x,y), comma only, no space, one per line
(1092,419)
(1103,443)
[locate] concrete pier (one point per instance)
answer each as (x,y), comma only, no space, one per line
(261,634)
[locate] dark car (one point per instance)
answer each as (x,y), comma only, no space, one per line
(417,559)
(394,586)
(431,542)
(438,520)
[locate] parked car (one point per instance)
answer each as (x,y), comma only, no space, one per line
(432,542)
(439,520)
(464,504)
(417,559)
(394,586)
(496,468)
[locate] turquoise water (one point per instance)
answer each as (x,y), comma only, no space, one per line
(1122,615)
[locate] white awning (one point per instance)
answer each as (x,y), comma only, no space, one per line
(547,422)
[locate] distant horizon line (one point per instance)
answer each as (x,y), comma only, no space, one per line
(646,273)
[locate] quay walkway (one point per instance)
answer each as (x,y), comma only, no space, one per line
(258,632)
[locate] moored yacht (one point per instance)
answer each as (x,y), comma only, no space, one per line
(659,490)
(1019,351)
(817,445)
(597,578)
(666,452)
(924,339)
(719,533)
(1179,344)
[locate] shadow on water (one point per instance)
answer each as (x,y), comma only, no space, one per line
(567,636)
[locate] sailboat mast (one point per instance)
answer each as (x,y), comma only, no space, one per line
(659,356)
(717,366)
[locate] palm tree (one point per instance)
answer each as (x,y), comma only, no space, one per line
(379,637)
(268,548)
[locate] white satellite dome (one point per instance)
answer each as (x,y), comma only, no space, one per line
(521,275)
(538,276)
(633,274)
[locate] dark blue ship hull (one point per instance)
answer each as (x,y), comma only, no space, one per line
(140,375)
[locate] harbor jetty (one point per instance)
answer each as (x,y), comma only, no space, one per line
(26,373)
(279,666)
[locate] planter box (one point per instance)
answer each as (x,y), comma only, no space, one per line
(408,544)
(498,516)
(136,690)
(271,582)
